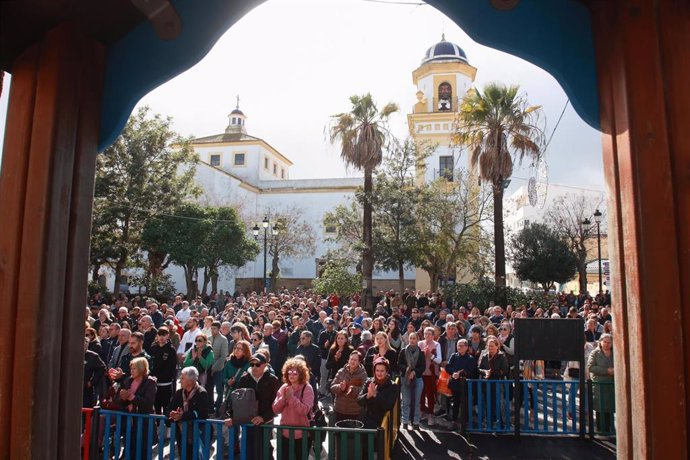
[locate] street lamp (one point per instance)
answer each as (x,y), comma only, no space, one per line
(274,231)
(597,219)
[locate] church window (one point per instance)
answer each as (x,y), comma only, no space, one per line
(214,160)
(239,159)
(445,167)
(266,163)
(282,173)
(445,97)
(275,169)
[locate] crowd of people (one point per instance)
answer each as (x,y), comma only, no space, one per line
(185,359)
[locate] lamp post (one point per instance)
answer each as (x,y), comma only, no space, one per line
(274,231)
(597,219)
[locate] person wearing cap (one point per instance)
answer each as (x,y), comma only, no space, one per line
(265,385)
(356,335)
(164,369)
(325,341)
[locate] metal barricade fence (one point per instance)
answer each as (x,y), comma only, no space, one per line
(365,442)
(543,406)
(115,435)
(601,408)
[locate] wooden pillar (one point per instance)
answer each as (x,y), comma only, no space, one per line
(46,196)
(644,69)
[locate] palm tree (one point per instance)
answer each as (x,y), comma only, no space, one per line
(499,126)
(362,133)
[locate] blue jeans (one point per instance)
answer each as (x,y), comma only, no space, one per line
(415,386)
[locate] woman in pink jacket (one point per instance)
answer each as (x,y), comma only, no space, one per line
(294,402)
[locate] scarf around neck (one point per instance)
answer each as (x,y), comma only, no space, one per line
(411,356)
(186,397)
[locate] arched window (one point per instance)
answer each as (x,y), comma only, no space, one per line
(445,97)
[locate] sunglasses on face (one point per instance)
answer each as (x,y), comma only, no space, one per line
(256,364)
(292,372)
(199,341)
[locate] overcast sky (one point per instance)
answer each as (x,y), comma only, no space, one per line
(293,74)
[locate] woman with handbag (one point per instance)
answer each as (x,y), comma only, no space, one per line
(461,366)
(294,402)
(201,357)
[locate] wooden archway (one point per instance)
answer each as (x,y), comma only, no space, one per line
(46,191)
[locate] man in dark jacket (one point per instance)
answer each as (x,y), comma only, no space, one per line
(164,368)
(94,369)
(191,402)
(265,386)
(312,355)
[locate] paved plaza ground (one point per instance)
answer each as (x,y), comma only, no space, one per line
(424,444)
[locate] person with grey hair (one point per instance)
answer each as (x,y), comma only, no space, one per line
(312,355)
(190,402)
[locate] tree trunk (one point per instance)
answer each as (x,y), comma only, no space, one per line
(401,276)
(433,281)
(207,278)
(119,266)
(499,243)
(214,282)
(367,253)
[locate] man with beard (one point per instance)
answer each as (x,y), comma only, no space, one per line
(136,350)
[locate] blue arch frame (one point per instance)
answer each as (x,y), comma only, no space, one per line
(555,35)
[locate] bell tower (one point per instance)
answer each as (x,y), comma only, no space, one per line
(442,79)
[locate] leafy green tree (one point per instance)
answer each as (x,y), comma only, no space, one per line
(449,220)
(337,278)
(395,199)
(148,171)
(497,126)
(198,239)
(539,254)
(362,134)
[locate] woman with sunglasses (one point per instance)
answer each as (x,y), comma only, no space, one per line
(294,402)
(257,341)
(236,365)
(200,356)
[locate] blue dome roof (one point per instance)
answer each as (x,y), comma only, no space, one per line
(444,51)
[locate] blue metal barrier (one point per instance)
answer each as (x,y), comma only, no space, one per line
(545,406)
(148,437)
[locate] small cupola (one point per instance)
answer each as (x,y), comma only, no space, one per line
(236,120)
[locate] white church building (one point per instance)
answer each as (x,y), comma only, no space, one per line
(246,172)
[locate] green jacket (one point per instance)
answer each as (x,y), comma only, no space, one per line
(202,363)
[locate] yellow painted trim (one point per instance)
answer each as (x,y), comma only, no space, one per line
(431,68)
(259,142)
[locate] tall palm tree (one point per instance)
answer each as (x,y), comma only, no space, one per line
(362,133)
(498,126)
